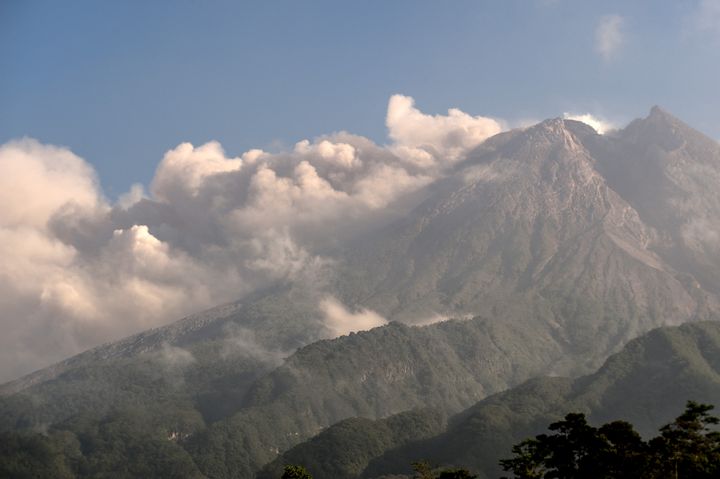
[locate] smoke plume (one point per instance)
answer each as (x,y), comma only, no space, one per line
(79,269)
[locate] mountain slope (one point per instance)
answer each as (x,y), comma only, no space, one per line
(373,374)
(350,445)
(528,226)
(205,362)
(646,383)
(670,174)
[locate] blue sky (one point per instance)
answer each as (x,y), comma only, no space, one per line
(120,83)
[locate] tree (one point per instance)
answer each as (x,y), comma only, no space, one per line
(424,470)
(456,474)
(574,448)
(573,451)
(687,448)
(295,472)
(625,454)
(529,460)
(30,456)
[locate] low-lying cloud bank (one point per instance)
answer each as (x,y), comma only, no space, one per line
(79,270)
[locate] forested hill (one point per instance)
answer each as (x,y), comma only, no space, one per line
(647,384)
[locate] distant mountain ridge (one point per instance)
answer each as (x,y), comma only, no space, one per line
(538,236)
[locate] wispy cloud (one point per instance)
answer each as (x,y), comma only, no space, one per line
(340,321)
(600,125)
(705,18)
(609,36)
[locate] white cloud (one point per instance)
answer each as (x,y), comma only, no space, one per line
(609,36)
(341,154)
(339,321)
(59,293)
(128,199)
(446,138)
(38,179)
(186,167)
(78,270)
(706,17)
(600,125)
(701,23)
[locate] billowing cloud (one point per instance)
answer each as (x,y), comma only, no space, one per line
(600,125)
(609,36)
(185,168)
(38,179)
(340,321)
(420,137)
(79,270)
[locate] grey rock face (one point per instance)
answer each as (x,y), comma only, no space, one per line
(530,229)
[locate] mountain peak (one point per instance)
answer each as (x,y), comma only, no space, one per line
(658,114)
(564,126)
(657,110)
(669,133)
(552,125)
(659,128)
(569,133)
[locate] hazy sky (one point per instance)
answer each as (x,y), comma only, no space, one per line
(120,83)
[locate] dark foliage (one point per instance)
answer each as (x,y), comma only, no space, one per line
(424,470)
(686,448)
(295,472)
